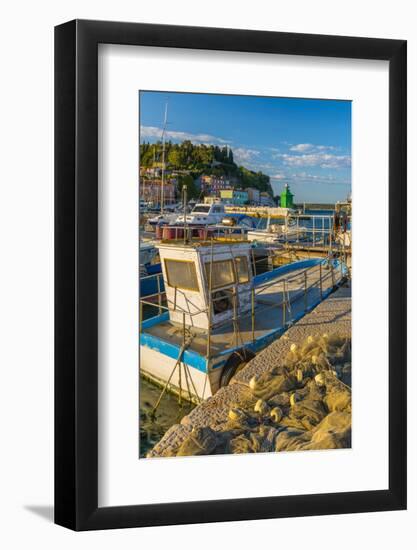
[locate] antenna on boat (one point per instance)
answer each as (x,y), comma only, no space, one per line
(163,157)
(184,204)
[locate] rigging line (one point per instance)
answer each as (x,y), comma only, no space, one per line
(204,387)
(179,384)
(192,383)
(182,350)
(236,326)
(163,158)
(186,381)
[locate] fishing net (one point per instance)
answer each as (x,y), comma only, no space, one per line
(201,441)
(304,404)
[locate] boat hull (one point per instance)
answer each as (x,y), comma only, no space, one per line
(158,367)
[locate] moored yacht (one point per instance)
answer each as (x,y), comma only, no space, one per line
(203,214)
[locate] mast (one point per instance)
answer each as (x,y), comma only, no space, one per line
(184,202)
(163,158)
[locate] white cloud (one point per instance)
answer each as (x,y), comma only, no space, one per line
(310,148)
(301,147)
(241,154)
(278,177)
(325,148)
(307,178)
(155,132)
(323,160)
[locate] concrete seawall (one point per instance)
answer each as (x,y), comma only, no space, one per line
(332,316)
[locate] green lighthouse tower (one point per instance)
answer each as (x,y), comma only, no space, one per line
(287,197)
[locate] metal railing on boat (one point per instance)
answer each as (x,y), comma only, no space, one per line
(328,280)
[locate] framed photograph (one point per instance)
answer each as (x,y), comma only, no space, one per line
(230,338)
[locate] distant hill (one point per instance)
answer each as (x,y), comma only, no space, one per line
(200,159)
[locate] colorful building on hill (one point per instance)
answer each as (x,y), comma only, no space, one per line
(265,199)
(254,195)
(213,185)
(239,197)
(151,191)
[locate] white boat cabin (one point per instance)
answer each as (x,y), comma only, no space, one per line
(193,272)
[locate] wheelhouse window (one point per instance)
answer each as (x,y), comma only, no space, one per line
(181,274)
(201,209)
(222,273)
(242,269)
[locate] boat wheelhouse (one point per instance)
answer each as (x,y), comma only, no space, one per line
(220,312)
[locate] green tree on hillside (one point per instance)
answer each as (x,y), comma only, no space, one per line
(199,159)
(176,157)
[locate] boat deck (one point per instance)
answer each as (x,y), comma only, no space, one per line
(270,314)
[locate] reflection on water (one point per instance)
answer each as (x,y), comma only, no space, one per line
(169,413)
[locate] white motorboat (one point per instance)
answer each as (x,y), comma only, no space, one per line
(202,215)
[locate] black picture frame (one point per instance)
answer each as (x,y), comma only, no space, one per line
(76,271)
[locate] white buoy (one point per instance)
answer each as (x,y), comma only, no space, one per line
(276,414)
(261,407)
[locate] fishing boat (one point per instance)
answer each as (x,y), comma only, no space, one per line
(220,312)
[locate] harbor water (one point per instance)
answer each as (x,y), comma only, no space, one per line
(169,412)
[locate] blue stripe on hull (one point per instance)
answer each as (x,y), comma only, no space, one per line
(191,358)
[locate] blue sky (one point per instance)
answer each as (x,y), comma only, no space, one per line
(303,142)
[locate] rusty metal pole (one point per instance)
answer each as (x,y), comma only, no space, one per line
(209,329)
(330,234)
(184,200)
(235,331)
(253,314)
(284,313)
(305,291)
(321,283)
(179,364)
(314,231)
(159,295)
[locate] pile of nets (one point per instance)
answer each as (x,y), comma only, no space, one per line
(304,404)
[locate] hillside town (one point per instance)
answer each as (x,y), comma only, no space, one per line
(213,178)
